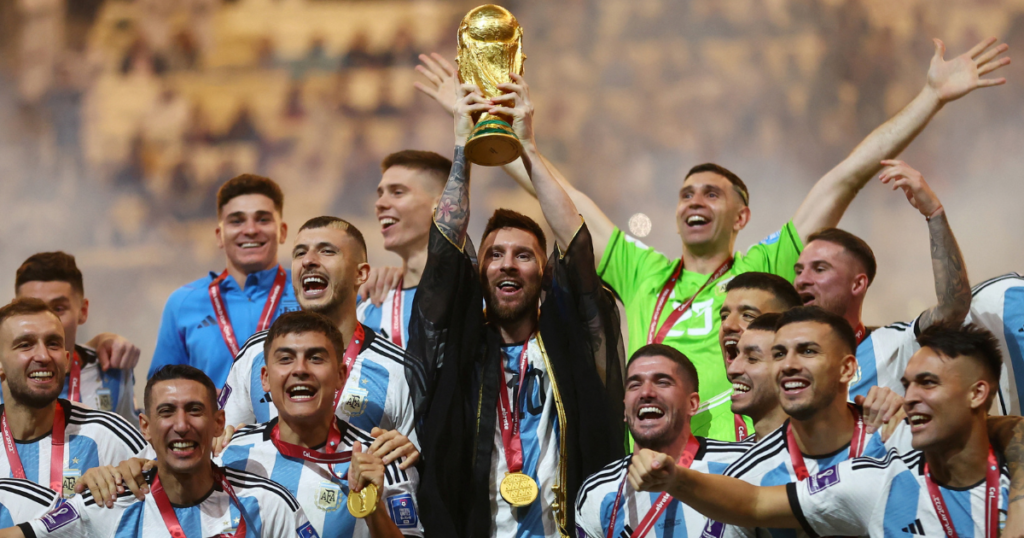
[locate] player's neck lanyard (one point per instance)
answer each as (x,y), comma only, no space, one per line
(509,417)
(661,503)
(856,444)
(741,427)
(328,456)
(171,519)
(266,318)
(396,315)
(351,354)
(655,336)
(991,499)
(56,449)
(75,383)
(860,332)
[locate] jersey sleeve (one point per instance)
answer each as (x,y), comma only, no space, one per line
(404,413)
(74,518)
(588,517)
(624,262)
(170,341)
(400,499)
(775,254)
(235,399)
(840,500)
(280,520)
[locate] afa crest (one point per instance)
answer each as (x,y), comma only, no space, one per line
(353,401)
(328,497)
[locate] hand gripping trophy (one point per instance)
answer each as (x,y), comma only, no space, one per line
(491,47)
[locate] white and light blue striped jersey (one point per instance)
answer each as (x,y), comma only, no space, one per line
(539,433)
(768,463)
(379,317)
(598,493)
(92,438)
(887,497)
(883,356)
(270,511)
(998,305)
(323,497)
(21,501)
(375,395)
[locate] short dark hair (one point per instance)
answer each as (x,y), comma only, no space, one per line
(338,224)
(737,183)
(856,246)
(305,321)
(50,267)
(954,340)
(250,184)
(765,322)
(779,287)
(180,371)
(25,306)
(671,353)
(427,161)
(816,314)
(506,218)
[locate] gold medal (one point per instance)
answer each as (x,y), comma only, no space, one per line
(364,502)
(518,489)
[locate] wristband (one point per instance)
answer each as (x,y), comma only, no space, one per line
(938,210)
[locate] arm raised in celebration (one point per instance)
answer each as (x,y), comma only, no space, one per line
(947,81)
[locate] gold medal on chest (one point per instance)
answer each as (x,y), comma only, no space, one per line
(518,489)
(364,502)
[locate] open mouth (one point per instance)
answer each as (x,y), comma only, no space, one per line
(807,298)
(387,222)
(696,221)
(301,393)
(314,286)
(251,245)
(730,344)
(41,375)
(183,447)
(918,420)
(794,386)
(739,388)
(509,287)
(650,412)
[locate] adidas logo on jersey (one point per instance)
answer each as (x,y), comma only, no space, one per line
(914,528)
(207,321)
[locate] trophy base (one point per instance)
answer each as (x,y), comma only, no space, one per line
(493,144)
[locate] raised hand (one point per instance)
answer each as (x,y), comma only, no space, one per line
(442,80)
(959,76)
(880,406)
(391,446)
(650,470)
(365,469)
(114,351)
(902,176)
(470,103)
(517,94)
(380,282)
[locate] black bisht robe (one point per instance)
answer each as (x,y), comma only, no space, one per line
(579,323)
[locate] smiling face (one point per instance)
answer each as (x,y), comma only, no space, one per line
(943,396)
(753,387)
(62,298)
(249,231)
(710,213)
(830,277)
(741,306)
(181,422)
(659,401)
(302,375)
(33,359)
(811,368)
(511,269)
(328,266)
(404,208)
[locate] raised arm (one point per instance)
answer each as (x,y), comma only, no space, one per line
(1007,436)
(952,287)
(452,212)
(947,81)
(441,84)
(721,498)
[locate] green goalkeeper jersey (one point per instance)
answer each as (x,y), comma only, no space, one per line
(638,273)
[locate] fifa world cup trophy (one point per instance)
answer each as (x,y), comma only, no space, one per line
(491,47)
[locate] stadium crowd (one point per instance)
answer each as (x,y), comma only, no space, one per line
(516,382)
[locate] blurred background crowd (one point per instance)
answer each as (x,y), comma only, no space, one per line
(119,119)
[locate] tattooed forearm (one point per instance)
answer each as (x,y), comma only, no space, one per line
(952,287)
(1013,453)
(452,212)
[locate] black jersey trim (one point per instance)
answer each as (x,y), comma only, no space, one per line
(765,449)
(610,473)
(28,490)
(113,422)
(977,289)
(246,480)
(256,338)
(794,504)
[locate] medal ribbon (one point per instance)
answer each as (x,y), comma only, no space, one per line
(991,499)
(171,519)
(857,444)
(741,427)
(266,318)
(861,333)
(329,456)
(74,384)
(661,503)
(351,354)
(655,336)
(509,418)
(56,450)
(396,315)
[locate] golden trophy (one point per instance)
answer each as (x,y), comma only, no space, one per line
(491,47)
